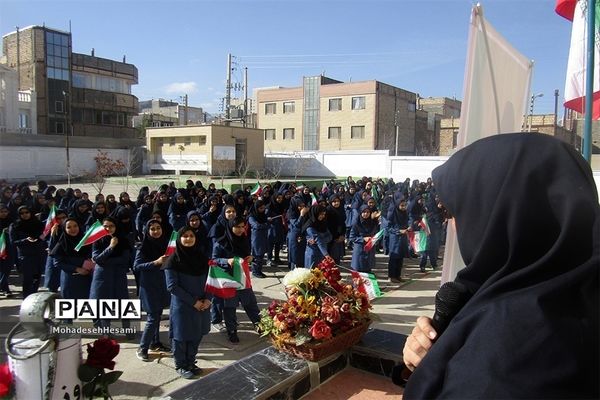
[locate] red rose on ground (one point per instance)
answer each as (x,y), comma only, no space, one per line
(102,352)
(6,380)
(320,330)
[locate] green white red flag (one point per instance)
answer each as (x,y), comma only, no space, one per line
(366,283)
(94,233)
(314,199)
(418,240)
(172,244)
(576,11)
(256,190)
(50,222)
(3,246)
(424,224)
(372,241)
(224,285)
(324,188)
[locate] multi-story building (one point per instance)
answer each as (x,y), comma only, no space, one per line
(76,93)
(325,114)
(17,107)
(160,112)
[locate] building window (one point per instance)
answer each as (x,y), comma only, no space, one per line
(270,108)
(59,107)
(187,141)
(172,142)
(335,132)
(60,127)
(270,134)
(23,121)
(161,142)
(358,103)
(357,132)
(454,139)
(121,119)
(289,107)
(288,134)
(335,104)
(202,140)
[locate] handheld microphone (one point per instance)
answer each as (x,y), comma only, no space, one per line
(449,300)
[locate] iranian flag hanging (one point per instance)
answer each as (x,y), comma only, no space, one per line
(50,222)
(172,244)
(94,233)
(256,190)
(418,240)
(224,285)
(3,247)
(576,11)
(372,241)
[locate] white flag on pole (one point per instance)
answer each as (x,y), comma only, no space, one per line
(495,96)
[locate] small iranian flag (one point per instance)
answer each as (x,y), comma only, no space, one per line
(369,244)
(367,283)
(425,225)
(172,244)
(222,284)
(314,199)
(50,222)
(94,233)
(324,188)
(256,190)
(3,248)
(418,240)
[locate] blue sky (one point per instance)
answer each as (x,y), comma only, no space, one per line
(181,46)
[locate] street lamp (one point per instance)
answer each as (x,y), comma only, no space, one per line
(533,97)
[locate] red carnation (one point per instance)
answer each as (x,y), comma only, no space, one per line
(102,352)
(6,380)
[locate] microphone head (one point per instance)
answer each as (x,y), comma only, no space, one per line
(451,297)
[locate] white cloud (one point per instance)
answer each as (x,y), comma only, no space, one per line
(182,87)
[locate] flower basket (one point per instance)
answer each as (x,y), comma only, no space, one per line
(322,315)
(317,351)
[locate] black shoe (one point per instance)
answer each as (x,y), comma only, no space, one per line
(185,373)
(233,337)
(422,269)
(258,275)
(142,354)
(196,370)
(160,348)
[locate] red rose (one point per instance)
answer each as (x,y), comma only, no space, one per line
(6,380)
(102,352)
(320,330)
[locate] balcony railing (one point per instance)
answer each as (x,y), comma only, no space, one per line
(24,97)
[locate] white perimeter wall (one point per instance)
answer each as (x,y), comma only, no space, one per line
(25,163)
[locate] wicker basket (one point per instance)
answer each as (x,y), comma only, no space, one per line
(318,351)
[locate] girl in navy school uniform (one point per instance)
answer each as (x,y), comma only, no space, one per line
(186,272)
(276,235)
(75,266)
(296,241)
(259,230)
(149,260)
(234,243)
(178,211)
(336,222)
(31,252)
(363,229)
(52,274)
(112,255)
(398,240)
(317,236)
(7,262)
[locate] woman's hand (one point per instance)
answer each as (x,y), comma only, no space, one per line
(418,343)
(160,261)
(113,242)
(202,305)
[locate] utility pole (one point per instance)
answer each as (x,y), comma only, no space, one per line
(228,91)
(555,110)
(245,96)
(397,131)
(533,97)
(185,109)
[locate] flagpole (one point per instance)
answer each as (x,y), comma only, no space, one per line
(589,87)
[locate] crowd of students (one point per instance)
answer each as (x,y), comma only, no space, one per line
(310,223)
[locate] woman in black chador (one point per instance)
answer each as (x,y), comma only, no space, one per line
(528,227)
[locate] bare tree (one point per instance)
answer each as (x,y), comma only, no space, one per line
(242,170)
(105,167)
(300,164)
(221,169)
(275,167)
(132,166)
